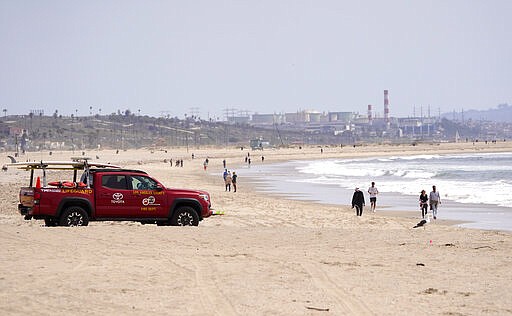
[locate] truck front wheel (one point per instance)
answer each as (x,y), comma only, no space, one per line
(74,216)
(185,216)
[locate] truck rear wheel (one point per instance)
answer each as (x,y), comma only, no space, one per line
(74,216)
(185,216)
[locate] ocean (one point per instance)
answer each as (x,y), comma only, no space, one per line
(475,188)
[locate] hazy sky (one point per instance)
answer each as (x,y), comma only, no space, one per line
(171,57)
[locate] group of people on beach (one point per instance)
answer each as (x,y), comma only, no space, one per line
(433,199)
(230,179)
(358,199)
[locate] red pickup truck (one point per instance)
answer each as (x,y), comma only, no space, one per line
(107,193)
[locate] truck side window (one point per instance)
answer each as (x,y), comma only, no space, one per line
(143,183)
(114,182)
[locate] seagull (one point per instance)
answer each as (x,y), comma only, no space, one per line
(423,222)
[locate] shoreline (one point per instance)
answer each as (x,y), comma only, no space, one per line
(273,179)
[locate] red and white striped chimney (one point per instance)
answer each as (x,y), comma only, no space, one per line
(386,106)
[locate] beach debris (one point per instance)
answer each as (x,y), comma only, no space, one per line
(13,160)
(432,290)
(215,212)
(318,309)
(481,247)
(420,264)
(449,245)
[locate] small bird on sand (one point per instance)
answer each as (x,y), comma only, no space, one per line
(423,222)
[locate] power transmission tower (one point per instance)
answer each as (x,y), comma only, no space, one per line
(229,113)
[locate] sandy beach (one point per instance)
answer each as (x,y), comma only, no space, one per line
(267,255)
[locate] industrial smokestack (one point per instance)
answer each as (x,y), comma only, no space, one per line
(386,106)
(370,114)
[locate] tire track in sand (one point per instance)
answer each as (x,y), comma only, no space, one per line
(212,299)
(345,301)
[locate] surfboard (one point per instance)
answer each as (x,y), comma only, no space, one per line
(60,165)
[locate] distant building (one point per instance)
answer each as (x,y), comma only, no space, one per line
(305,116)
(267,119)
(239,119)
(343,117)
(295,117)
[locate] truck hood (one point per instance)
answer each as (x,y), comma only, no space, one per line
(187,191)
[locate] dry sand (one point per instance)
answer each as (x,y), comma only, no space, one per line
(266,256)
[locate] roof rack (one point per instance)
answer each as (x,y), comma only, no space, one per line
(76,164)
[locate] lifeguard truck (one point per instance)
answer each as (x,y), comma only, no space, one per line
(106,192)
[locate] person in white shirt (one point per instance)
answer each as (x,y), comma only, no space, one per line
(434,200)
(373,196)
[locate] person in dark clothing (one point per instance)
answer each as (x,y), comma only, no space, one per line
(358,201)
(233,181)
(423,203)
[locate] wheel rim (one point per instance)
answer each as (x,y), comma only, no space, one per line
(75,219)
(185,219)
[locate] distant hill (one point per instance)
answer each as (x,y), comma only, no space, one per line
(503,113)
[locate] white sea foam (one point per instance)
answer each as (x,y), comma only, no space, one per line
(462,178)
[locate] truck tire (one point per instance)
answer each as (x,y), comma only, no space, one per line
(185,216)
(74,216)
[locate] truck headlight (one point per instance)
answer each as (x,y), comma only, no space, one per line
(204,197)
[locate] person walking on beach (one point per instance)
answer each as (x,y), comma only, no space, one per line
(423,203)
(233,180)
(435,200)
(227,181)
(358,201)
(373,196)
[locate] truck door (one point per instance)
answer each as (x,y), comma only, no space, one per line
(149,197)
(114,197)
